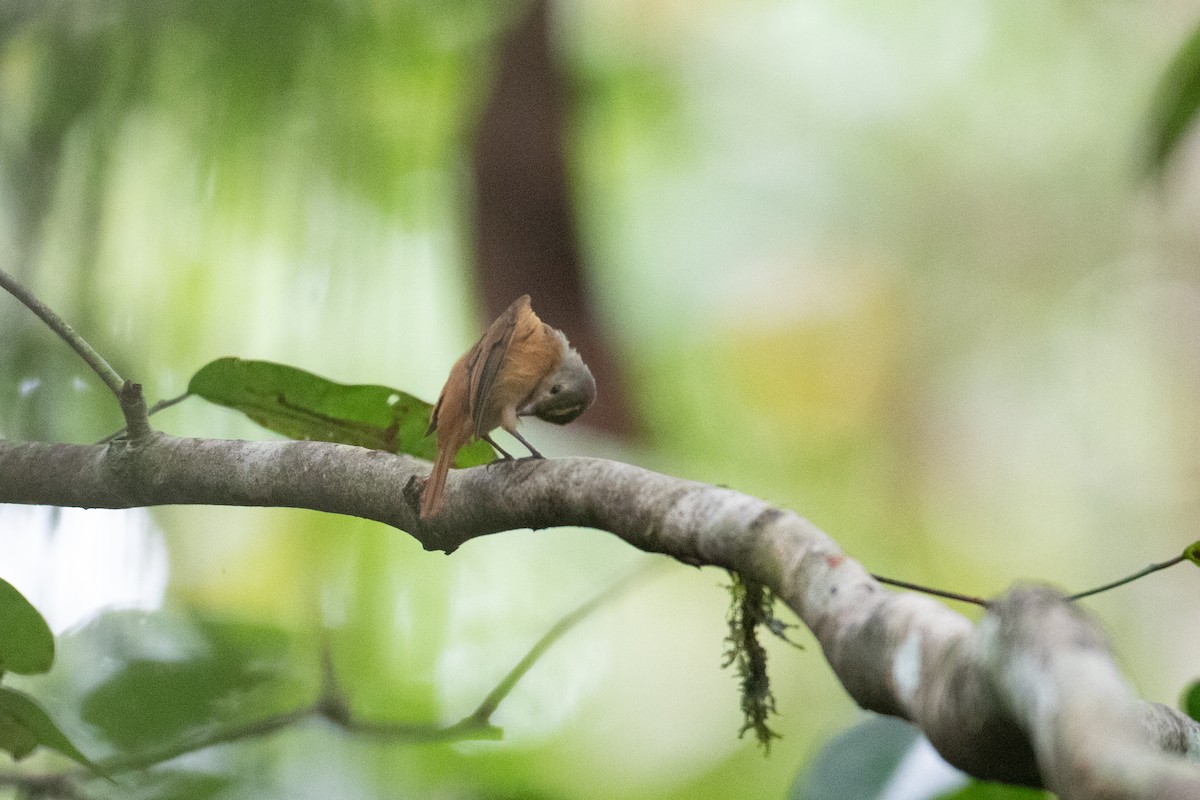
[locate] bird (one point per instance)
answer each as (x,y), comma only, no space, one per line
(519,367)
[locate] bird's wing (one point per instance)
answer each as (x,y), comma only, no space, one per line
(488,355)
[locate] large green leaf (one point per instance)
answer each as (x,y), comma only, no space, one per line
(301,405)
(858,762)
(1176,102)
(26,643)
(24,726)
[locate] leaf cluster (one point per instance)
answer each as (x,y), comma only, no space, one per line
(27,648)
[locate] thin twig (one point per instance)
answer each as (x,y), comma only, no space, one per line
(128,394)
(490,703)
(965,598)
(916,587)
(253,729)
(1131,578)
(57,324)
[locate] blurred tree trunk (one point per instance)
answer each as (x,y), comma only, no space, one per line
(525,225)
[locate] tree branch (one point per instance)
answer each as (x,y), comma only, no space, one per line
(1055,674)
(1029,695)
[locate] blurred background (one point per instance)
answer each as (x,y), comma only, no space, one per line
(896,266)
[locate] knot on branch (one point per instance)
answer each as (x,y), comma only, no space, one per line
(133,407)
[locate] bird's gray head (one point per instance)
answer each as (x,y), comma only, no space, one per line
(566,393)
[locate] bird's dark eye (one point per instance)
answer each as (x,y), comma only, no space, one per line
(555,389)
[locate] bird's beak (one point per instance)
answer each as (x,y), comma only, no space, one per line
(564,415)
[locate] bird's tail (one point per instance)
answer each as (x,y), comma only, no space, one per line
(431,499)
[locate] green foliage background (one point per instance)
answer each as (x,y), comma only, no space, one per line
(893,265)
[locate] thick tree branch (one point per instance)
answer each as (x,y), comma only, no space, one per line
(1029,695)
(1055,674)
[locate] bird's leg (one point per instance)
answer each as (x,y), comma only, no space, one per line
(533,451)
(504,454)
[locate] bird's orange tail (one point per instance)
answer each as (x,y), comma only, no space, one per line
(431,500)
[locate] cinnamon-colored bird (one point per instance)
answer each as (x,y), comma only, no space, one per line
(520,367)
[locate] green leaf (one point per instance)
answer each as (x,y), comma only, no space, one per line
(1192,553)
(234,671)
(301,405)
(24,726)
(978,790)
(858,762)
(1191,701)
(26,643)
(151,702)
(1175,103)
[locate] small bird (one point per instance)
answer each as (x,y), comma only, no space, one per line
(520,367)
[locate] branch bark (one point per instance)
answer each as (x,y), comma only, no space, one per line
(1029,695)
